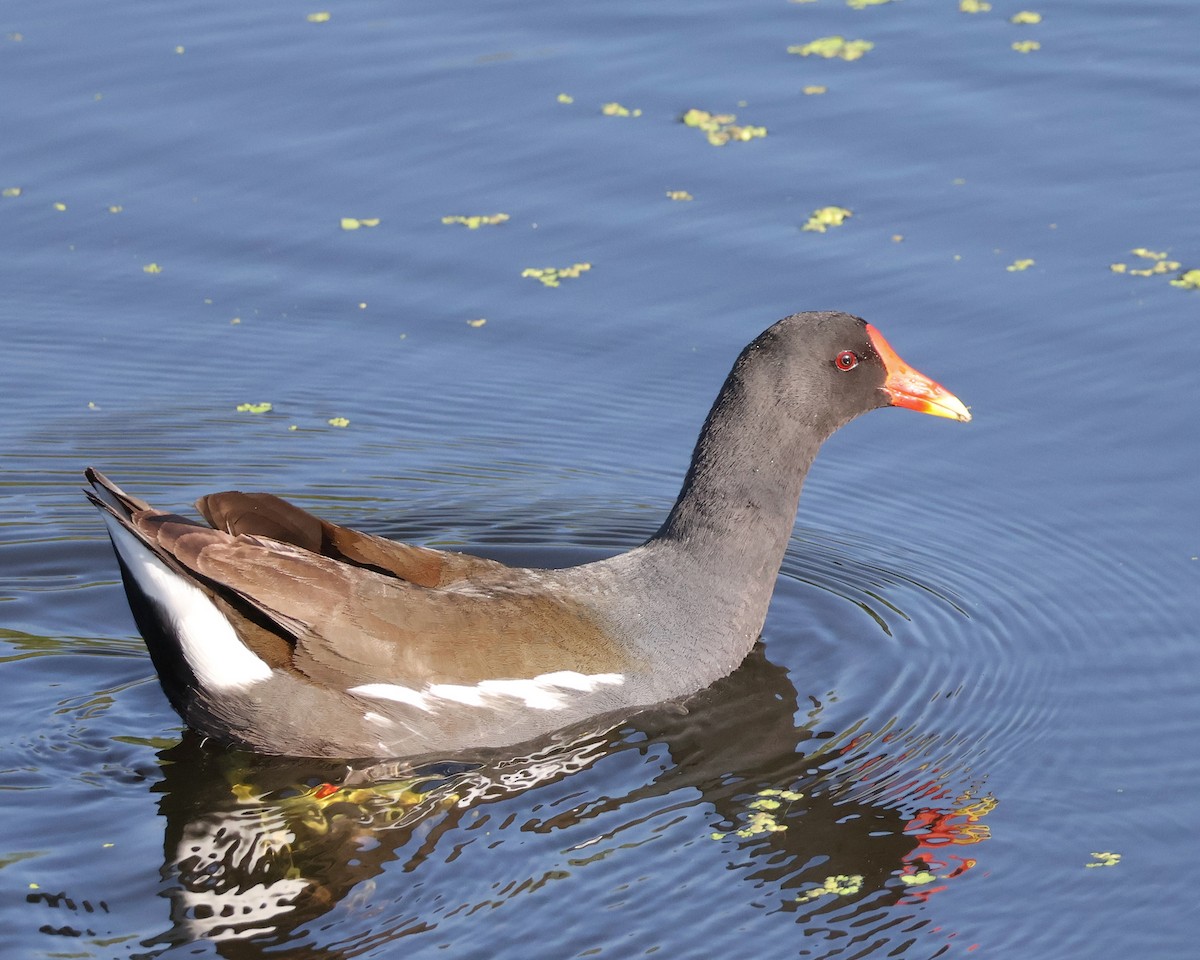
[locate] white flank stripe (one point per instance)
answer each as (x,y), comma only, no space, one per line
(391,691)
(547,691)
(580,681)
(535,695)
(473,696)
(211,647)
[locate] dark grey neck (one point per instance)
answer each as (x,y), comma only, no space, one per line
(692,599)
(738,502)
(726,535)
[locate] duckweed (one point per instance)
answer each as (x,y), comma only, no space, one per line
(721,128)
(826,217)
(552,276)
(833,47)
(841,885)
(616,110)
(1159,264)
(474,223)
(761,818)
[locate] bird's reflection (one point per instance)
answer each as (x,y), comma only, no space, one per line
(257,848)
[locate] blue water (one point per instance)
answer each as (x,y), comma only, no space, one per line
(980,670)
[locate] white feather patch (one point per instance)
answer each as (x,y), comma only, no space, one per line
(547,691)
(211,647)
(472,696)
(391,691)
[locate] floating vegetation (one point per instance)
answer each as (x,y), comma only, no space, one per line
(1018,265)
(679,195)
(721,128)
(814,89)
(10,192)
(354,223)
(761,818)
(1159,259)
(152,268)
(60,207)
(1025,16)
(833,47)
(826,217)
(863,4)
(842,885)
(321,17)
(477,323)
(1105,858)
(552,276)
(565,98)
(115,208)
(616,110)
(474,223)
(974,6)
(338,422)
(1159,264)
(254,407)
(1026,46)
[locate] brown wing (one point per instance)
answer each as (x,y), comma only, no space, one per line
(266,515)
(353,625)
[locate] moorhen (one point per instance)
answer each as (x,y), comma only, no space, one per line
(275,630)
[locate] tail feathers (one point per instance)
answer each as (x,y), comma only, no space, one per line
(190,637)
(111,498)
(130,519)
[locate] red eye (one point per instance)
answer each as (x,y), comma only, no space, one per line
(846,360)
